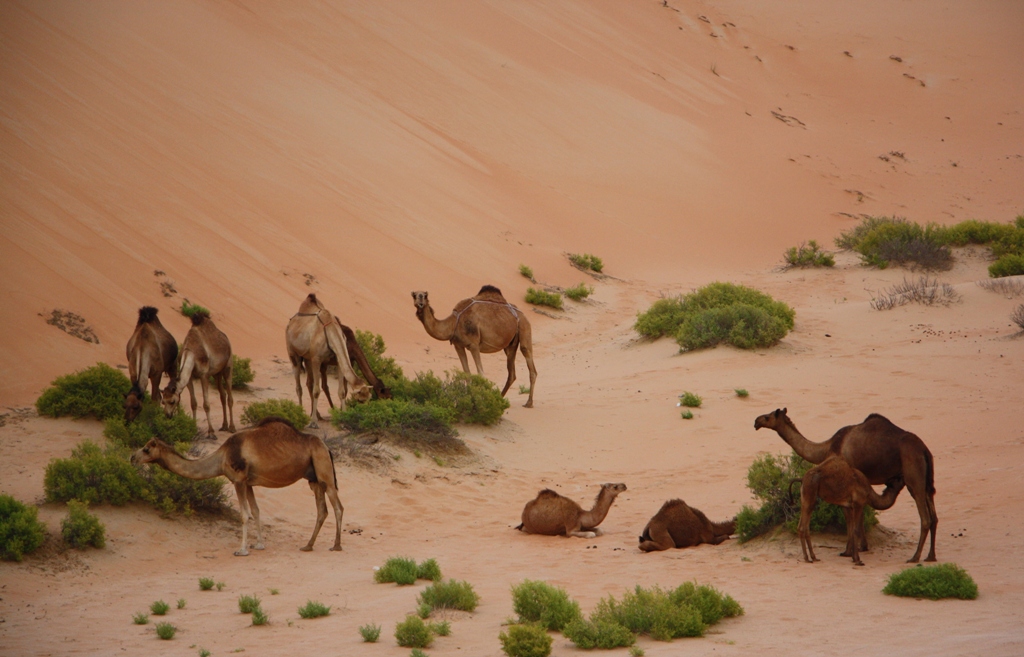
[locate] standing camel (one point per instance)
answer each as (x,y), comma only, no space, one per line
(358,357)
(314,339)
(837,482)
(552,514)
(151,351)
(205,353)
(679,525)
(485,324)
(271,454)
(879,449)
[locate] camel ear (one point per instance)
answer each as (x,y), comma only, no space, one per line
(784,411)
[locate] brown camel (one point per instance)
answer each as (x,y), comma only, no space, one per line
(151,351)
(358,357)
(552,514)
(837,482)
(679,525)
(205,353)
(484,324)
(879,449)
(314,339)
(272,454)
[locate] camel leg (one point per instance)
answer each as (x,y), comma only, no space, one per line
(475,350)
(297,373)
(223,401)
(461,351)
(192,397)
(339,511)
(659,539)
(510,357)
(321,513)
(854,521)
(808,500)
(254,510)
(314,394)
(526,346)
(154,384)
(929,523)
(230,410)
(204,383)
(323,385)
(575,530)
(243,509)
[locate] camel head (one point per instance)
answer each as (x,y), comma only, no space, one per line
(151,452)
(170,397)
(773,420)
(612,489)
(133,403)
(361,392)
(421,302)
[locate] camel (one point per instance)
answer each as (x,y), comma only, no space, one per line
(678,525)
(484,324)
(880,450)
(151,351)
(205,353)
(552,514)
(838,482)
(314,339)
(272,454)
(357,356)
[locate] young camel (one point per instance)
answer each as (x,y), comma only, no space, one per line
(272,454)
(484,324)
(552,514)
(880,450)
(151,351)
(205,353)
(678,525)
(837,482)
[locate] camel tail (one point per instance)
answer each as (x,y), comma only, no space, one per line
(791,482)
(333,470)
(930,475)
(147,314)
(519,526)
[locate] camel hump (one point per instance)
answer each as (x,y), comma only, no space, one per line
(271,419)
(199,317)
(672,504)
(491,293)
(147,314)
(547,493)
(310,304)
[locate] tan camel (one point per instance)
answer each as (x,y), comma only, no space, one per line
(839,483)
(879,449)
(151,352)
(679,525)
(552,514)
(358,357)
(484,324)
(205,353)
(271,454)
(314,339)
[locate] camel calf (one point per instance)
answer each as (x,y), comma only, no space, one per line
(552,514)
(678,525)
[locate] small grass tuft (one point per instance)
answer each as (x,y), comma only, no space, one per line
(203,652)
(742,392)
(188,309)
(687,415)
(690,400)
(449,595)
(205,583)
(416,652)
(579,292)
(808,255)
(248,604)
(946,580)
(540,602)
(429,570)
(259,617)
(140,618)
(413,633)
(442,628)
(159,608)
(241,372)
(314,610)
(370,633)
(543,298)
(636,651)
(220,586)
(400,570)
(165,631)
(181,603)
(586,261)
(526,272)
(526,640)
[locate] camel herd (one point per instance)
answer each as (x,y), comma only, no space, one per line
(275,454)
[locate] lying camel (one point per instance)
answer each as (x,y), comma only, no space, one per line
(839,483)
(879,449)
(678,525)
(552,514)
(151,352)
(205,353)
(272,454)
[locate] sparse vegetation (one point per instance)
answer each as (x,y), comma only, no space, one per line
(314,610)
(543,298)
(586,261)
(687,415)
(140,618)
(248,604)
(181,603)
(442,628)
(1008,265)
(404,571)
(80,528)
(370,633)
(21,532)
(1008,287)
(946,580)
(636,651)
(151,422)
(924,290)
(188,308)
(413,633)
(526,640)
(449,595)
(259,617)
(159,608)
(808,255)
(205,583)
(590,634)
(241,372)
(741,392)
(579,292)
(1017,317)
(165,631)
(96,391)
(884,240)
(526,272)
(429,569)
(690,400)
(284,408)
(540,602)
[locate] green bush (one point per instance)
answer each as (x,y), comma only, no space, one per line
(526,272)
(543,298)
(80,528)
(527,640)
(429,570)
(687,415)
(590,634)
(1008,265)
(159,608)
(285,408)
(400,570)
(586,261)
(248,604)
(580,292)
(711,603)
(808,255)
(96,391)
(740,325)
(473,398)
(974,232)
(690,400)
(370,632)
(151,422)
(395,416)
(21,532)
(442,628)
(384,367)
(95,476)
(413,633)
(188,308)
(165,631)
(241,372)
(259,617)
(881,240)
(314,610)
(946,580)
(205,583)
(539,602)
(449,595)
(140,618)
(652,612)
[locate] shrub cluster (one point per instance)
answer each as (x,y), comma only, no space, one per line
(81,529)
(370,632)
(96,391)
(539,602)
(586,261)
(768,478)
(579,292)
(284,408)
(543,298)
(314,610)
(946,580)
(413,633)
(716,313)
(404,571)
(808,255)
(529,640)
(151,422)
(21,532)
(526,272)
(241,372)
(447,595)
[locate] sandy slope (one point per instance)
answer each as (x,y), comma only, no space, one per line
(252,153)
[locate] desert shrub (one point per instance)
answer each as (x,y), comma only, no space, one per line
(586,261)
(740,325)
(712,604)
(1017,316)
(808,255)
(768,478)
(395,416)
(314,610)
(413,633)
(525,640)
(151,422)
(946,580)
(188,308)
(248,604)
(205,583)
(543,298)
(159,608)
(241,372)
(687,415)
(881,240)
(526,272)
(449,595)
(94,475)
(1008,265)
(590,634)
(260,617)
(742,392)
(369,632)
(540,602)
(473,398)
(973,231)
(140,618)
(579,292)
(690,400)
(165,631)
(384,367)
(21,532)
(442,628)
(96,391)
(284,408)
(171,493)
(924,290)
(652,612)
(181,603)
(80,528)
(429,570)
(400,570)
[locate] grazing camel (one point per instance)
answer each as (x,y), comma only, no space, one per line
(358,357)
(314,339)
(678,525)
(552,514)
(151,351)
(837,482)
(272,454)
(484,324)
(880,450)
(205,353)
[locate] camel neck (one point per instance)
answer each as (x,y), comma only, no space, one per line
(811,451)
(204,468)
(442,329)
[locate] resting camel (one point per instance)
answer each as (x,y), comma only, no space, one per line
(271,454)
(151,351)
(880,450)
(484,324)
(678,525)
(839,483)
(552,514)
(205,353)
(314,339)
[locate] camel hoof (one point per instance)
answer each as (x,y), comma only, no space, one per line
(336,548)
(528,404)
(312,425)
(858,563)
(259,546)
(242,553)
(306,548)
